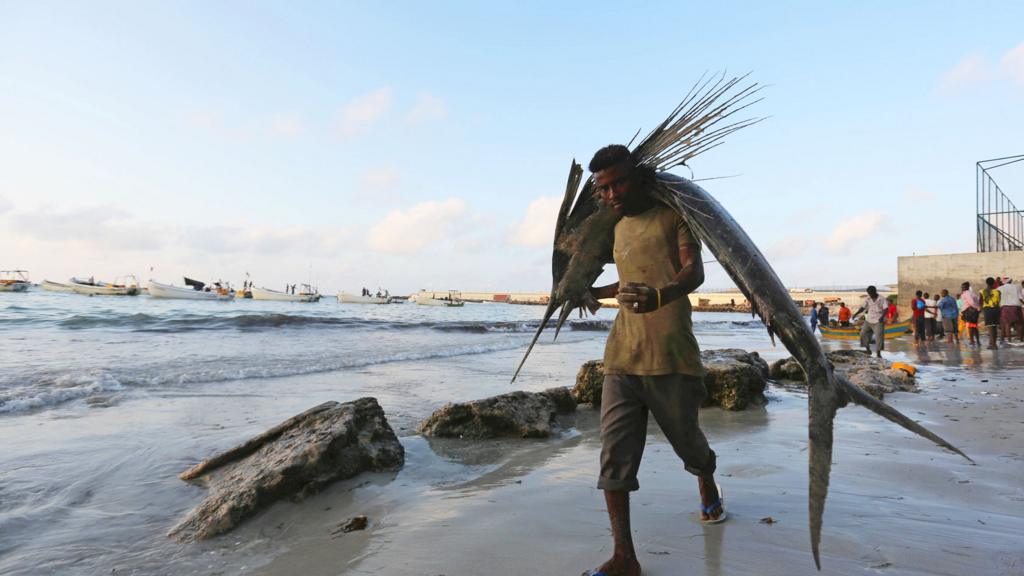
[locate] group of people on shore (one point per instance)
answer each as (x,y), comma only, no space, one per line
(878,312)
(997,307)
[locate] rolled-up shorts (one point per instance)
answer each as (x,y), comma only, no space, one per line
(991,316)
(949,325)
(867,330)
(674,401)
(1010,315)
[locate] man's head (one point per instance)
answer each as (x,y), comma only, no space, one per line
(918,293)
(945,292)
(990,282)
(615,178)
(965,286)
(873,292)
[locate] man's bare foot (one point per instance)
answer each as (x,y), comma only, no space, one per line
(708,496)
(617,567)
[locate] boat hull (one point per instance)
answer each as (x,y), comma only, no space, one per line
(274,295)
(14,287)
(56,286)
(853,332)
(94,290)
(158,290)
(346,298)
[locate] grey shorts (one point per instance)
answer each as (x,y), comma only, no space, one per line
(949,325)
(674,401)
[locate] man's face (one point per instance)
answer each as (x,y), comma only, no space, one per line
(873,294)
(615,186)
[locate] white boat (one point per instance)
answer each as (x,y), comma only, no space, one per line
(158,290)
(121,286)
(346,298)
(56,286)
(14,281)
(306,295)
(452,300)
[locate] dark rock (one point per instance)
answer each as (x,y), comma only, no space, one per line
(294,459)
(518,414)
(350,525)
(734,378)
(589,382)
(876,376)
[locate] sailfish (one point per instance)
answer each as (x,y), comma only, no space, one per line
(584,236)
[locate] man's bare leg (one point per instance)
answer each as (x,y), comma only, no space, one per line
(623,561)
(708,495)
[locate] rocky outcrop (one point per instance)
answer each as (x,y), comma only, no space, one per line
(876,376)
(735,379)
(589,381)
(298,457)
(516,414)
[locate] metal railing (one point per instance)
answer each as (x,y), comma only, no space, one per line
(1000,223)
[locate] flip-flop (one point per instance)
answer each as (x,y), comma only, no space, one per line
(594,572)
(720,503)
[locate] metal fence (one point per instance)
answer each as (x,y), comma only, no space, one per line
(1000,223)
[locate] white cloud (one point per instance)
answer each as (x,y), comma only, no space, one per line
(854,229)
(1012,64)
(362,112)
(787,247)
(381,180)
(97,226)
(971,70)
(427,108)
(410,231)
(288,125)
(918,195)
(538,228)
(5,205)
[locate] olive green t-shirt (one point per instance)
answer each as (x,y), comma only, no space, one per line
(662,341)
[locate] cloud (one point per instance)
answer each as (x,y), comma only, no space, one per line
(265,240)
(5,205)
(287,125)
(1012,64)
(538,228)
(98,226)
(362,112)
(410,231)
(787,247)
(918,195)
(854,229)
(971,70)
(381,180)
(428,108)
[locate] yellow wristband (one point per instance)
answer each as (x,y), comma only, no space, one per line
(658,290)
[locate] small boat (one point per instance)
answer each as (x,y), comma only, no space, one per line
(14,281)
(56,286)
(346,298)
(121,286)
(452,300)
(853,332)
(158,290)
(307,294)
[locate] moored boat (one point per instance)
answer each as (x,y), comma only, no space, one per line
(853,332)
(56,286)
(452,300)
(158,290)
(346,298)
(307,294)
(121,286)
(14,281)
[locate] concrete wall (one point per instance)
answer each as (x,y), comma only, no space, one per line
(932,273)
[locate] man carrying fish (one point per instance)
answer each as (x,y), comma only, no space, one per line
(652,361)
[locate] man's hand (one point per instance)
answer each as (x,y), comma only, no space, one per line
(638,297)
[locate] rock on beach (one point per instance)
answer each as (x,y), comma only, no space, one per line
(294,459)
(876,376)
(735,379)
(516,414)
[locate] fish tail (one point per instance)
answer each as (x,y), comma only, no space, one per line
(562,317)
(823,402)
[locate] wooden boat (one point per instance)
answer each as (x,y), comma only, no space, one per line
(158,290)
(346,298)
(453,300)
(121,286)
(853,332)
(56,286)
(307,294)
(14,281)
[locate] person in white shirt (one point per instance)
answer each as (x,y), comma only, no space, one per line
(874,308)
(1010,317)
(930,312)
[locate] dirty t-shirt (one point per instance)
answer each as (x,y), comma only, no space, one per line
(659,342)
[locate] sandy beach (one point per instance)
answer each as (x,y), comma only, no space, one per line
(93,490)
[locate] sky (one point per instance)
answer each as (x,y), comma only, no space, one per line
(411,145)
